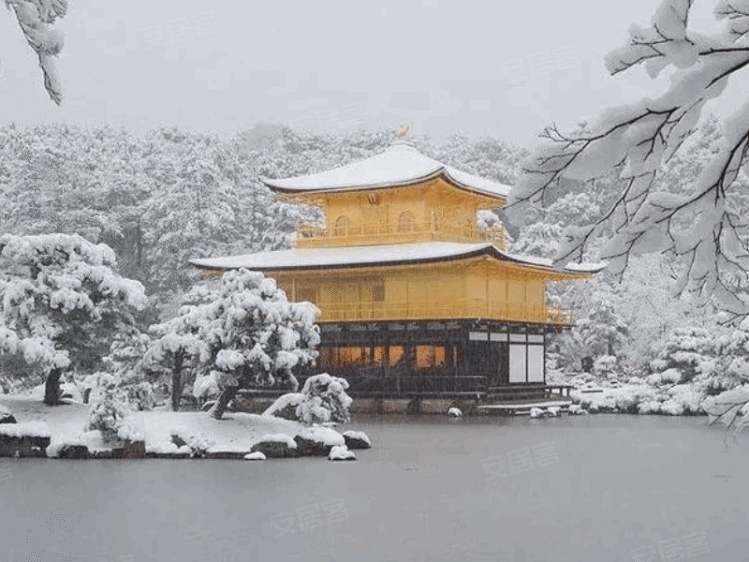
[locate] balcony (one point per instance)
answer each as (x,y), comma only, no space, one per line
(444,310)
(370,234)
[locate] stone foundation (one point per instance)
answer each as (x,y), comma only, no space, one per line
(23,446)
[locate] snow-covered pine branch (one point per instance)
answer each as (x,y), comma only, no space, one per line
(35,18)
(696,224)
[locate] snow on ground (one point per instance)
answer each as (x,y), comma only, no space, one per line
(642,398)
(236,432)
(25,429)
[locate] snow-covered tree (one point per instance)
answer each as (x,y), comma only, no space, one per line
(110,413)
(601,327)
(194,209)
(177,345)
(255,337)
(542,232)
(127,361)
(686,352)
(324,400)
(697,223)
(61,303)
(487,157)
(35,18)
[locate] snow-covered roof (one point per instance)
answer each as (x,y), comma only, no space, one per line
(400,164)
(360,256)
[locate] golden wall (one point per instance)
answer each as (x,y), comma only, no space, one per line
(433,210)
(472,288)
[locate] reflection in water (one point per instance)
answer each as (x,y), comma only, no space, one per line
(597,488)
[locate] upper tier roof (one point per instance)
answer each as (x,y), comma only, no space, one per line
(400,164)
(376,255)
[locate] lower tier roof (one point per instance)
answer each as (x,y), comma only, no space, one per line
(363,256)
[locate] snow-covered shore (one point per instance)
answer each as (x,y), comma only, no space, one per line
(660,397)
(236,433)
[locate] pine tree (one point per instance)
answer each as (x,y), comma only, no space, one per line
(62,303)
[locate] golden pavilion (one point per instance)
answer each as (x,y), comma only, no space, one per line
(416,299)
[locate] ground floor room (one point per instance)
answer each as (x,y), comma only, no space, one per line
(432,358)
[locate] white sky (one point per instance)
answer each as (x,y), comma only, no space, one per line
(474,66)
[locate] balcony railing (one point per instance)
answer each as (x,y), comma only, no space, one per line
(361,386)
(443,310)
(309,236)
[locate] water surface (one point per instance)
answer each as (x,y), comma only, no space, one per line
(596,488)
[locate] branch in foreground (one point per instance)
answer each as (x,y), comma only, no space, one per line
(35,18)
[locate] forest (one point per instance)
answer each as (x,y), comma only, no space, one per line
(167,196)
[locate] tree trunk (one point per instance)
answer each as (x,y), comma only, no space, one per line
(52,388)
(177,381)
(224,398)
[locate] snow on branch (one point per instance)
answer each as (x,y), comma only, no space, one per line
(664,42)
(35,18)
(736,12)
(637,140)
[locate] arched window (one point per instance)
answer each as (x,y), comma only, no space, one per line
(341,226)
(406,222)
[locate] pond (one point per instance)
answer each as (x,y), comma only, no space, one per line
(595,488)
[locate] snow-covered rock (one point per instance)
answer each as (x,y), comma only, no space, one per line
(537,413)
(227,451)
(256,456)
(168,450)
(286,406)
(29,439)
(7,417)
(553,411)
(318,440)
(67,447)
(197,443)
(576,410)
(276,446)
(341,453)
(454,413)
(356,440)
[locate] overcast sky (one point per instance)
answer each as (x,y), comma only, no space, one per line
(479,67)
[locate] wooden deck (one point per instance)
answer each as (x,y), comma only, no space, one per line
(514,408)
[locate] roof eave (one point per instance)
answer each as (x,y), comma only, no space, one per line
(488,249)
(442,173)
